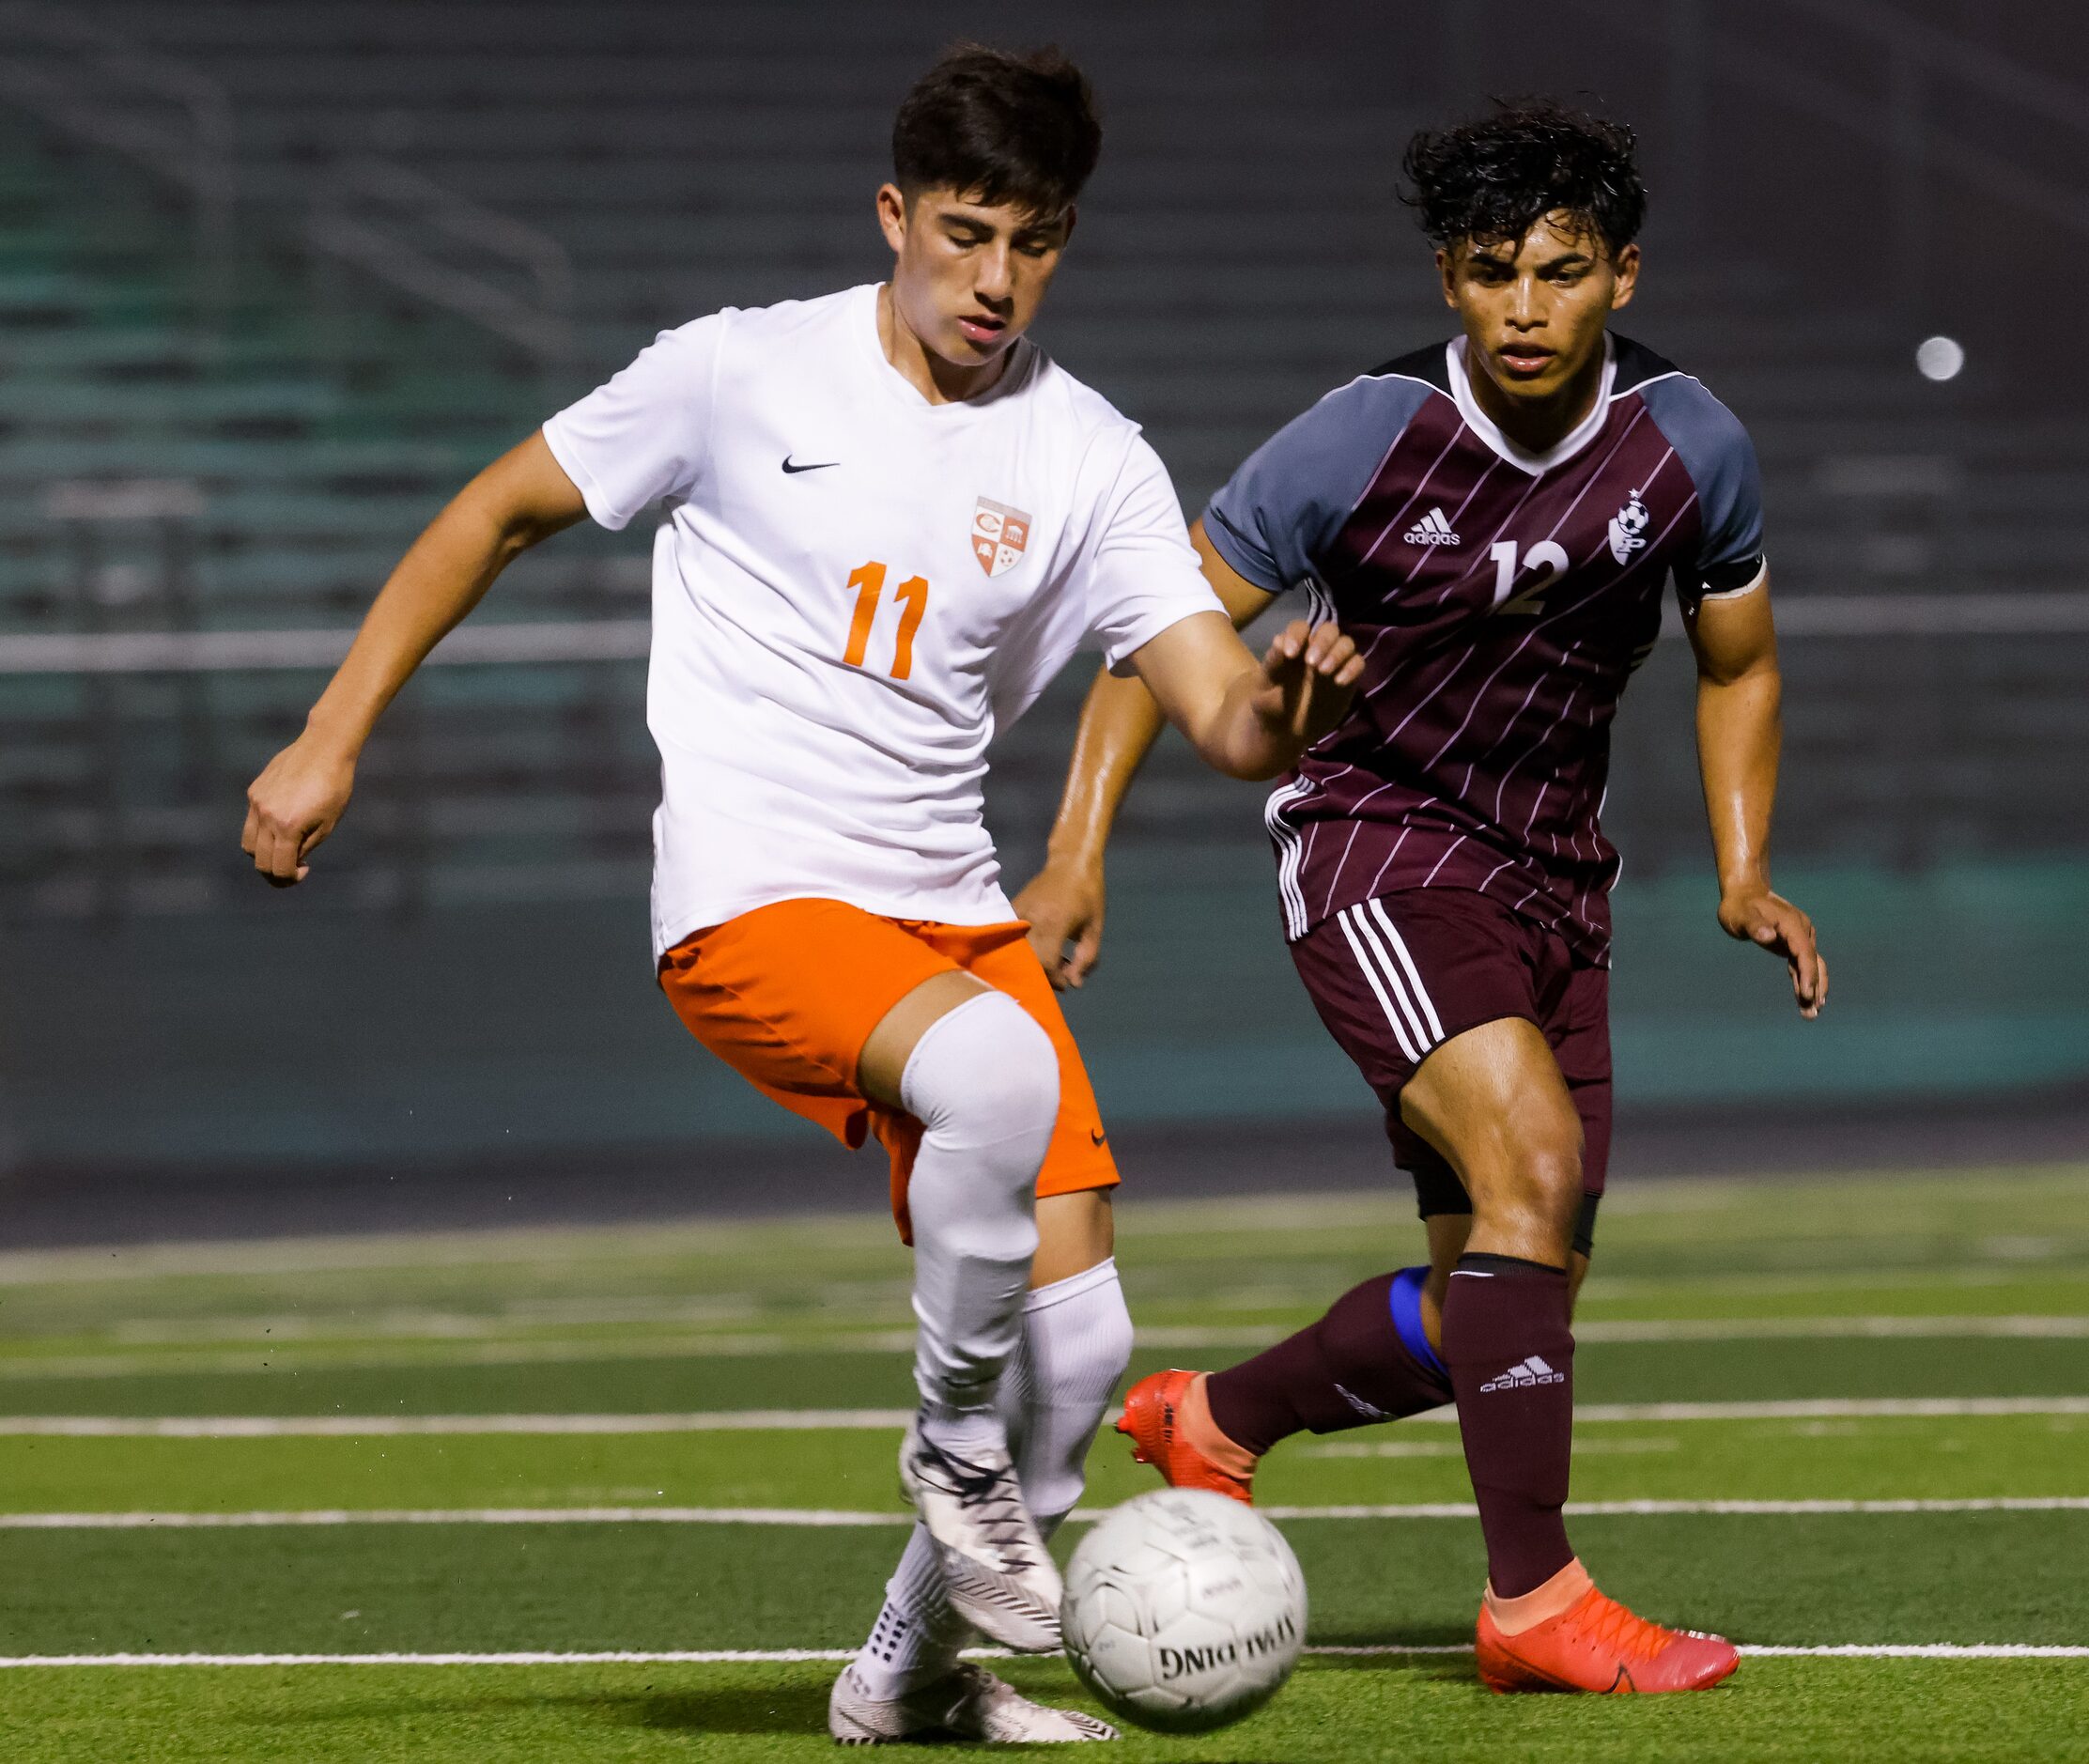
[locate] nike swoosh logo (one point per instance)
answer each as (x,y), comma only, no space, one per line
(819,465)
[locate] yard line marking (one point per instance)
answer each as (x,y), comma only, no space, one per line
(387,1425)
(1818,1409)
(843,1420)
(796,1655)
(1652,1510)
(445,1347)
(1825,1328)
(1658,1330)
(1922,1650)
(821,1517)
(808,1516)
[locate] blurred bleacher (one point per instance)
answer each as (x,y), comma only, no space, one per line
(274,279)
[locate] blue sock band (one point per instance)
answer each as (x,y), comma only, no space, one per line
(1407,1319)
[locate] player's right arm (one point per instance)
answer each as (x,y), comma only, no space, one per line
(522,498)
(1120,724)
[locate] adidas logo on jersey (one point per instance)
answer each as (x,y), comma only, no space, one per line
(1432,529)
(1525,1375)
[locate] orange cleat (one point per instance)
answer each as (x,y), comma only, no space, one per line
(1162,1434)
(1597,1644)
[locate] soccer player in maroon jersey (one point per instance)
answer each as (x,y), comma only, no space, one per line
(1493,522)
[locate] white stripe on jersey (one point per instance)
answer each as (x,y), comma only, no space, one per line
(1288,852)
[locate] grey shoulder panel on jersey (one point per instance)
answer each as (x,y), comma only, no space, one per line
(1291,497)
(1716,452)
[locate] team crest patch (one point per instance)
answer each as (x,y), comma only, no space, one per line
(1628,529)
(999,534)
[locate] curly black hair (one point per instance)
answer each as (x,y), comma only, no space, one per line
(998,127)
(1490,180)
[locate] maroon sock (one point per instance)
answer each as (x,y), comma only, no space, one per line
(1349,1370)
(1511,1358)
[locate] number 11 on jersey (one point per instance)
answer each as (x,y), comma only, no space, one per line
(912,594)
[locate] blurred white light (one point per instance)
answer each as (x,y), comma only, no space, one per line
(1940,358)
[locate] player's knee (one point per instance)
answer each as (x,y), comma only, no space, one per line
(1534,1175)
(984,1074)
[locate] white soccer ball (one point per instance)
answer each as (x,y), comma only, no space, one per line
(1184,1610)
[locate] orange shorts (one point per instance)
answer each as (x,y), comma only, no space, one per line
(787,995)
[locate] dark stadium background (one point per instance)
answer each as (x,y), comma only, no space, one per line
(275,278)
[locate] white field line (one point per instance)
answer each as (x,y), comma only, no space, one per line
(439,1355)
(827,1517)
(795,1420)
(796,1656)
(394,1426)
(1645,1331)
(452,1347)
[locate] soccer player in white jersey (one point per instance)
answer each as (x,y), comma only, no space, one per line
(889,521)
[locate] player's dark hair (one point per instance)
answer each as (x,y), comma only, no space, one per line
(1490,180)
(999,128)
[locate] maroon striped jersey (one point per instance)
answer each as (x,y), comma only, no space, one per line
(1501,600)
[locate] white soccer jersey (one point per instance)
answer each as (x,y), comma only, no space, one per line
(853,590)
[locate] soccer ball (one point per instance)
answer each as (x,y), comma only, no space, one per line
(1184,1610)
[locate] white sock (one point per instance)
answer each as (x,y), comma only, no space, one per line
(1076,1341)
(984,1082)
(916,1636)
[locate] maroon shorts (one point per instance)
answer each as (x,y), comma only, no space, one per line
(1398,976)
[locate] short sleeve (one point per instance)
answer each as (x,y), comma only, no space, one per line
(646,434)
(1716,450)
(1281,509)
(1142,574)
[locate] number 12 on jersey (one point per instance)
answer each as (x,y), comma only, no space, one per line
(1547,557)
(912,594)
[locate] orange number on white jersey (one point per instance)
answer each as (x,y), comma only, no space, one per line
(869,582)
(912,594)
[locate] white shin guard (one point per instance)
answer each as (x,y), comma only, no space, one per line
(984,1082)
(1077,1343)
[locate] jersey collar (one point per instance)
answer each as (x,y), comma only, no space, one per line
(1489,431)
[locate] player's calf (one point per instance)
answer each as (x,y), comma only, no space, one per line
(1369,1359)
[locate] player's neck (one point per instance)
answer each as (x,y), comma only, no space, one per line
(1537,425)
(938,380)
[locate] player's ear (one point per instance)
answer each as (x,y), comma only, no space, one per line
(1448,269)
(1625,270)
(891,215)
(1072,214)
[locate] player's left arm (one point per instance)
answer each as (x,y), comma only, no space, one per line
(1739,731)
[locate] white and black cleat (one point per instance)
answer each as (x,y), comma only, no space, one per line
(997,1573)
(967,1704)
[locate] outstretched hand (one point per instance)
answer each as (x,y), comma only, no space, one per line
(1309,677)
(1773,923)
(293,806)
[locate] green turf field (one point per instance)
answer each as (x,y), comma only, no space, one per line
(1846,1414)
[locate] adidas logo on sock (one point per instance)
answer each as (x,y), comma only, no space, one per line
(1432,529)
(1524,1376)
